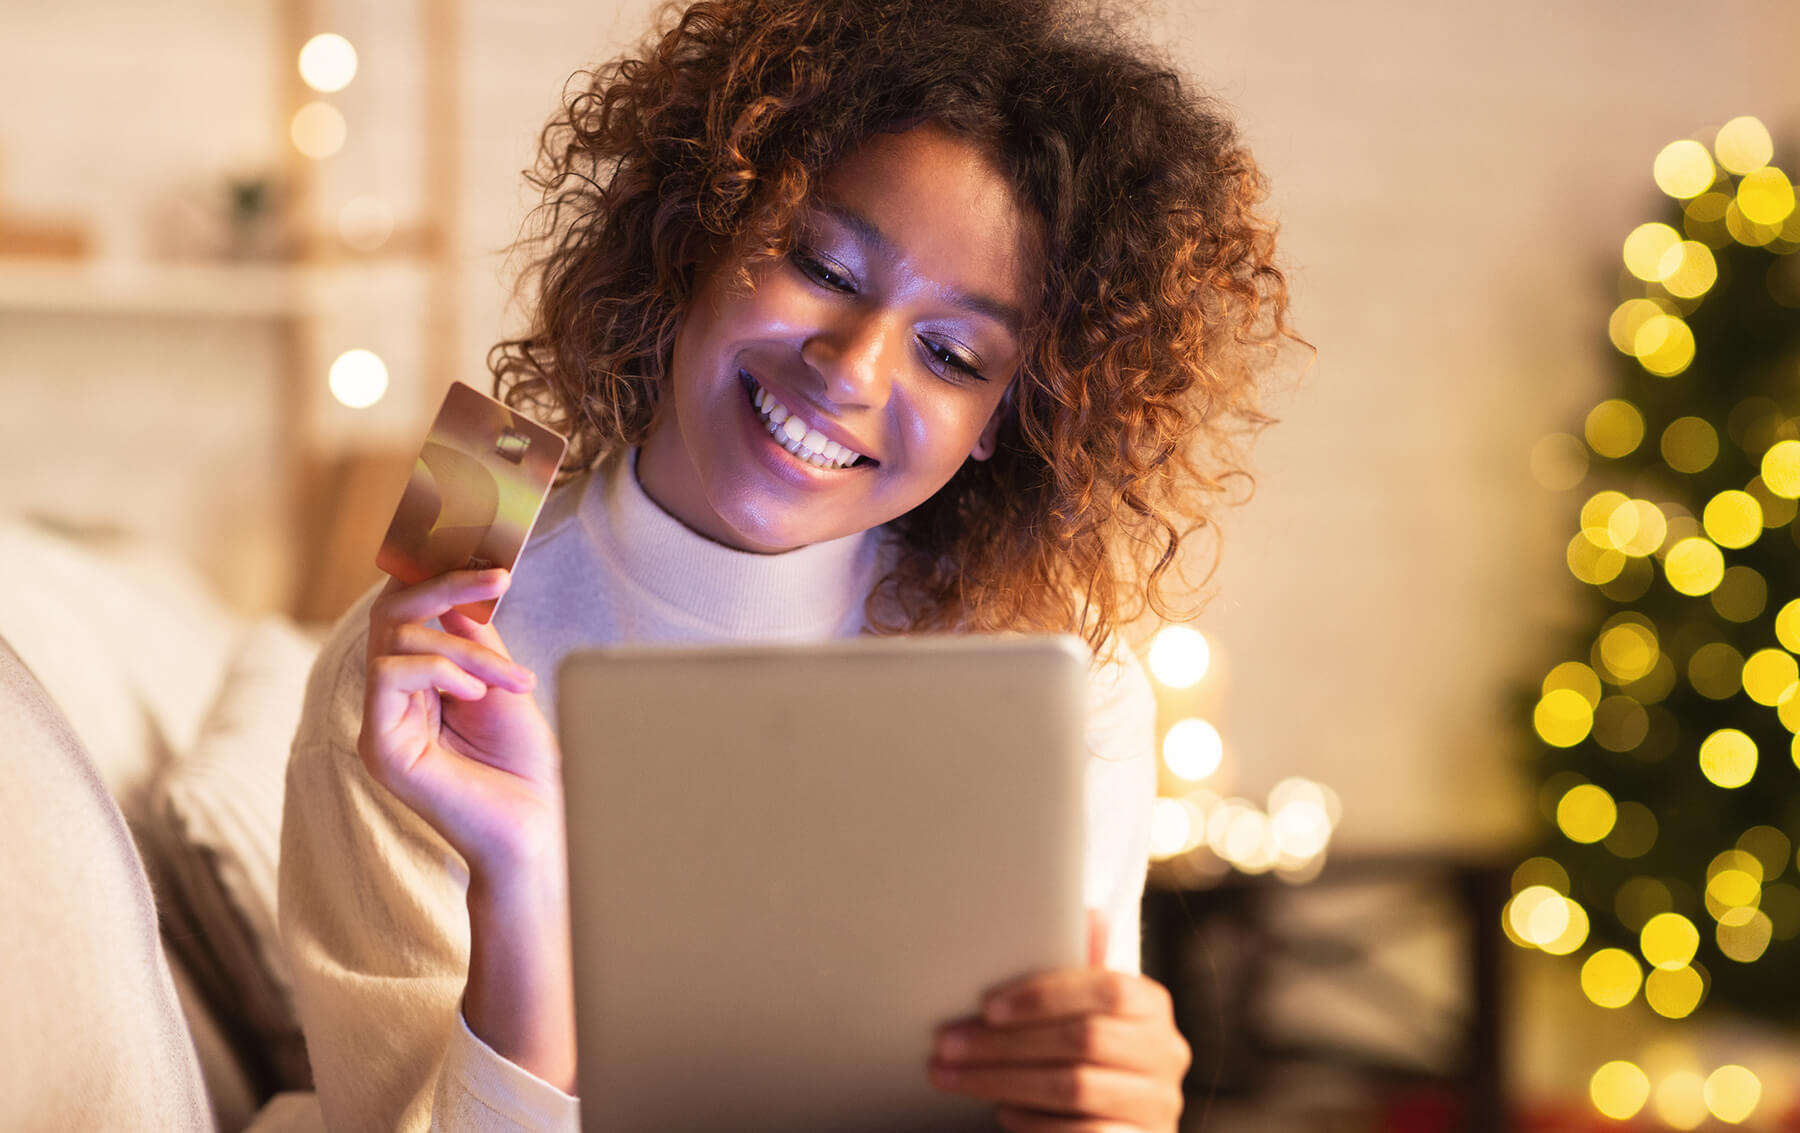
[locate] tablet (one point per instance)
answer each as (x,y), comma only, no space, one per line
(789,864)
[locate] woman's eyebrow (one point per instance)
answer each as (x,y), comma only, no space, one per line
(1000,311)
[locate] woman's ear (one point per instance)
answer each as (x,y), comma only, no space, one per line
(988,441)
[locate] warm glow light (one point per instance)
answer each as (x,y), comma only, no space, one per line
(318,130)
(1541,871)
(1674,993)
(1766,197)
(1628,651)
(1746,231)
(1769,846)
(1538,913)
(1716,670)
(1629,317)
(1769,674)
(1694,566)
(1664,345)
(1742,594)
(359,378)
(1637,528)
(1730,889)
(1688,269)
(1681,1100)
(1594,562)
(1574,675)
(1620,723)
(1669,941)
(1574,933)
(1614,428)
(1733,519)
(1192,749)
(1586,813)
(1787,626)
(1732,1094)
(1611,977)
(1563,717)
(327,62)
(1559,461)
(1634,834)
(1690,445)
(1744,933)
(1639,899)
(1170,827)
(1645,248)
(1295,789)
(1777,511)
(1781,469)
(365,223)
(1728,758)
(1301,829)
(1179,656)
(1619,1089)
(1743,145)
(1683,169)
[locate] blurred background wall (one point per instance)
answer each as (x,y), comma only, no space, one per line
(1453,183)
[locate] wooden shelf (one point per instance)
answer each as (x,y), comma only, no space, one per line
(169,289)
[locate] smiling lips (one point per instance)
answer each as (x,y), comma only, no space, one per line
(793,434)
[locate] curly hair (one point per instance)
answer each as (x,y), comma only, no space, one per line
(1160,304)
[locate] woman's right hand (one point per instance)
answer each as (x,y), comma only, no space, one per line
(450,727)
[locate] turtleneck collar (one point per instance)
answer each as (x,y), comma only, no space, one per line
(809,593)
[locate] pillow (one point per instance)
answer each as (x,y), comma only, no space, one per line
(216,812)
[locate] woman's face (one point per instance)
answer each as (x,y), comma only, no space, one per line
(863,369)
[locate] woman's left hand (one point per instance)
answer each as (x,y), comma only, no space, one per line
(1081,1050)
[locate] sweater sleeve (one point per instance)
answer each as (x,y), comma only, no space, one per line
(1121,789)
(374,919)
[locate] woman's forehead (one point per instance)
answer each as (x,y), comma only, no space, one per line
(938,205)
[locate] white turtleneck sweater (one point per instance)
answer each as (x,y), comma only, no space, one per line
(373,903)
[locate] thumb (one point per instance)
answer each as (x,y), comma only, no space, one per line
(1096,937)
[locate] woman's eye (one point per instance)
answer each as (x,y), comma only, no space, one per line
(951,360)
(821,271)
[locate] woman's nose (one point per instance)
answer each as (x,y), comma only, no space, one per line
(853,356)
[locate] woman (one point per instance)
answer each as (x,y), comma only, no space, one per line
(863,316)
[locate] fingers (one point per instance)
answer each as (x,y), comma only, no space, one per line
(1016,1119)
(1071,992)
(1095,1039)
(435,596)
(479,659)
(1069,1091)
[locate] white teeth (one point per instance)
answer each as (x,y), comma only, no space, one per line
(796,436)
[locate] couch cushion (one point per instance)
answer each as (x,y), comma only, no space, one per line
(216,817)
(127,643)
(92,1036)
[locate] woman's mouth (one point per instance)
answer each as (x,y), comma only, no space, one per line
(793,434)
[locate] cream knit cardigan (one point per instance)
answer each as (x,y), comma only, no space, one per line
(372,900)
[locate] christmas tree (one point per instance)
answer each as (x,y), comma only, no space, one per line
(1667,735)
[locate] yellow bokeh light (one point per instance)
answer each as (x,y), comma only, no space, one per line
(1639,899)
(1787,626)
(1777,510)
(1574,933)
(1669,941)
(1743,145)
(1628,318)
(1575,675)
(1680,1100)
(1716,670)
(1769,674)
(1769,847)
(1664,345)
(358,378)
(1192,749)
(1597,512)
(1179,656)
(1619,1090)
(1645,248)
(1766,197)
(1563,717)
(1611,977)
(1628,652)
(328,63)
(1694,566)
(1688,269)
(1594,563)
(1690,444)
(1787,710)
(1614,428)
(318,130)
(1586,813)
(1781,469)
(1746,231)
(1620,723)
(1732,889)
(1733,519)
(1728,758)
(1674,992)
(1736,858)
(1683,169)
(1634,834)
(1559,461)
(1637,528)
(1744,934)
(1538,914)
(1732,1094)
(1741,596)
(1546,872)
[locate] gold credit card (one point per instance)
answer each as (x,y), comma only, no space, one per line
(475,491)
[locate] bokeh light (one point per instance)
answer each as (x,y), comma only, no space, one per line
(1586,813)
(1741,595)
(1688,270)
(1179,656)
(1645,248)
(365,223)
(1680,1099)
(1674,993)
(1733,519)
(1619,1090)
(1781,469)
(1743,145)
(1769,846)
(327,62)
(1620,723)
(1614,428)
(1640,899)
(1733,1093)
(359,378)
(1627,651)
(1744,933)
(1683,169)
(1664,345)
(318,130)
(1546,872)
(1634,831)
(1766,197)
(1716,670)
(1669,941)
(1192,749)
(1728,758)
(1694,566)
(1563,717)
(1769,674)
(1611,977)
(1690,444)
